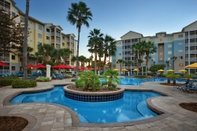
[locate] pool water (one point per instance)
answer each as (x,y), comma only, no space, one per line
(138,81)
(130,108)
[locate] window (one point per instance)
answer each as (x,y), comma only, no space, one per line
(180,64)
(30,40)
(13,68)
(169,52)
(13,57)
(180,43)
(169,45)
(62,44)
(180,36)
(47,29)
(47,37)
(39,43)
(169,58)
(180,57)
(39,27)
(180,50)
(40,36)
(169,38)
(161,53)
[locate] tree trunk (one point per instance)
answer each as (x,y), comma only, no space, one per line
(168,80)
(77,58)
(95,60)
(25,41)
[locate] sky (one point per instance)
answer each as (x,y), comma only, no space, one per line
(116,17)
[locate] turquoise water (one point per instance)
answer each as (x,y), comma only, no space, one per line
(130,108)
(138,81)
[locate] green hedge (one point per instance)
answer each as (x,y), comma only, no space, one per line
(42,79)
(6,81)
(23,83)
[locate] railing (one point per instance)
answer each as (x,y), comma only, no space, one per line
(5,59)
(191,36)
(191,52)
(191,44)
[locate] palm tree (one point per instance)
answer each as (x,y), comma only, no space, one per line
(65,53)
(135,52)
(149,49)
(168,64)
(25,40)
(78,15)
(120,61)
(82,59)
(128,63)
(173,59)
(95,42)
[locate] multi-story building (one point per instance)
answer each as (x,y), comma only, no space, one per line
(180,45)
(39,33)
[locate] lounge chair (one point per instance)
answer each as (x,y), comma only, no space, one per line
(189,84)
(192,89)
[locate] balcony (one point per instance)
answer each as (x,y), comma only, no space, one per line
(191,59)
(5,59)
(191,36)
(191,52)
(191,44)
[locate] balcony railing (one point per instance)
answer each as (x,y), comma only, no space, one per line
(191,44)
(191,52)
(191,36)
(5,59)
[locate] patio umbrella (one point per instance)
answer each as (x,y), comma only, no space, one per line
(30,66)
(40,66)
(68,67)
(60,66)
(135,69)
(170,70)
(3,64)
(192,66)
(124,70)
(183,71)
(116,69)
(91,68)
(161,70)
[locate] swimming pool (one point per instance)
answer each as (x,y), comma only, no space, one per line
(138,81)
(130,108)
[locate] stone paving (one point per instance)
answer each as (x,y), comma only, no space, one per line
(53,117)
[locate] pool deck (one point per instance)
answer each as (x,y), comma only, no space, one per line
(53,117)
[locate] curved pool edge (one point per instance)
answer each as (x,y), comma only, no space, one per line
(75,119)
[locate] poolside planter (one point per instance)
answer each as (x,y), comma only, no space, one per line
(93,96)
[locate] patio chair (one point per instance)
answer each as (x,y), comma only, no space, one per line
(180,86)
(192,89)
(187,86)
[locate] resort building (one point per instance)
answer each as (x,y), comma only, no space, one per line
(39,33)
(182,46)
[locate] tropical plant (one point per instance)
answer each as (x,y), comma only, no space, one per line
(112,78)
(120,61)
(174,76)
(155,68)
(128,63)
(149,48)
(168,76)
(168,64)
(188,76)
(95,44)
(82,59)
(173,59)
(64,53)
(88,81)
(78,15)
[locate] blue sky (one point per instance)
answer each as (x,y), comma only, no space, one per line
(117,17)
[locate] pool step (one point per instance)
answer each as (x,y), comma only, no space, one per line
(82,118)
(144,110)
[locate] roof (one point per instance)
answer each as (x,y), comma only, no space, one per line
(131,32)
(188,25)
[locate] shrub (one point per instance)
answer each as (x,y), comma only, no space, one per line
(42,79)
(73,79)
(20,84)
(6,81)
(23,83)
(111,77)
(32,83)
(88,80)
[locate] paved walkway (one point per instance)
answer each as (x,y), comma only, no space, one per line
(52,117)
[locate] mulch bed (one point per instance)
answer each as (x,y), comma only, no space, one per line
(189,106)
(12,123)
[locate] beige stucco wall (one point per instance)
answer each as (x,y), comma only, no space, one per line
(131,35)
(191,27)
